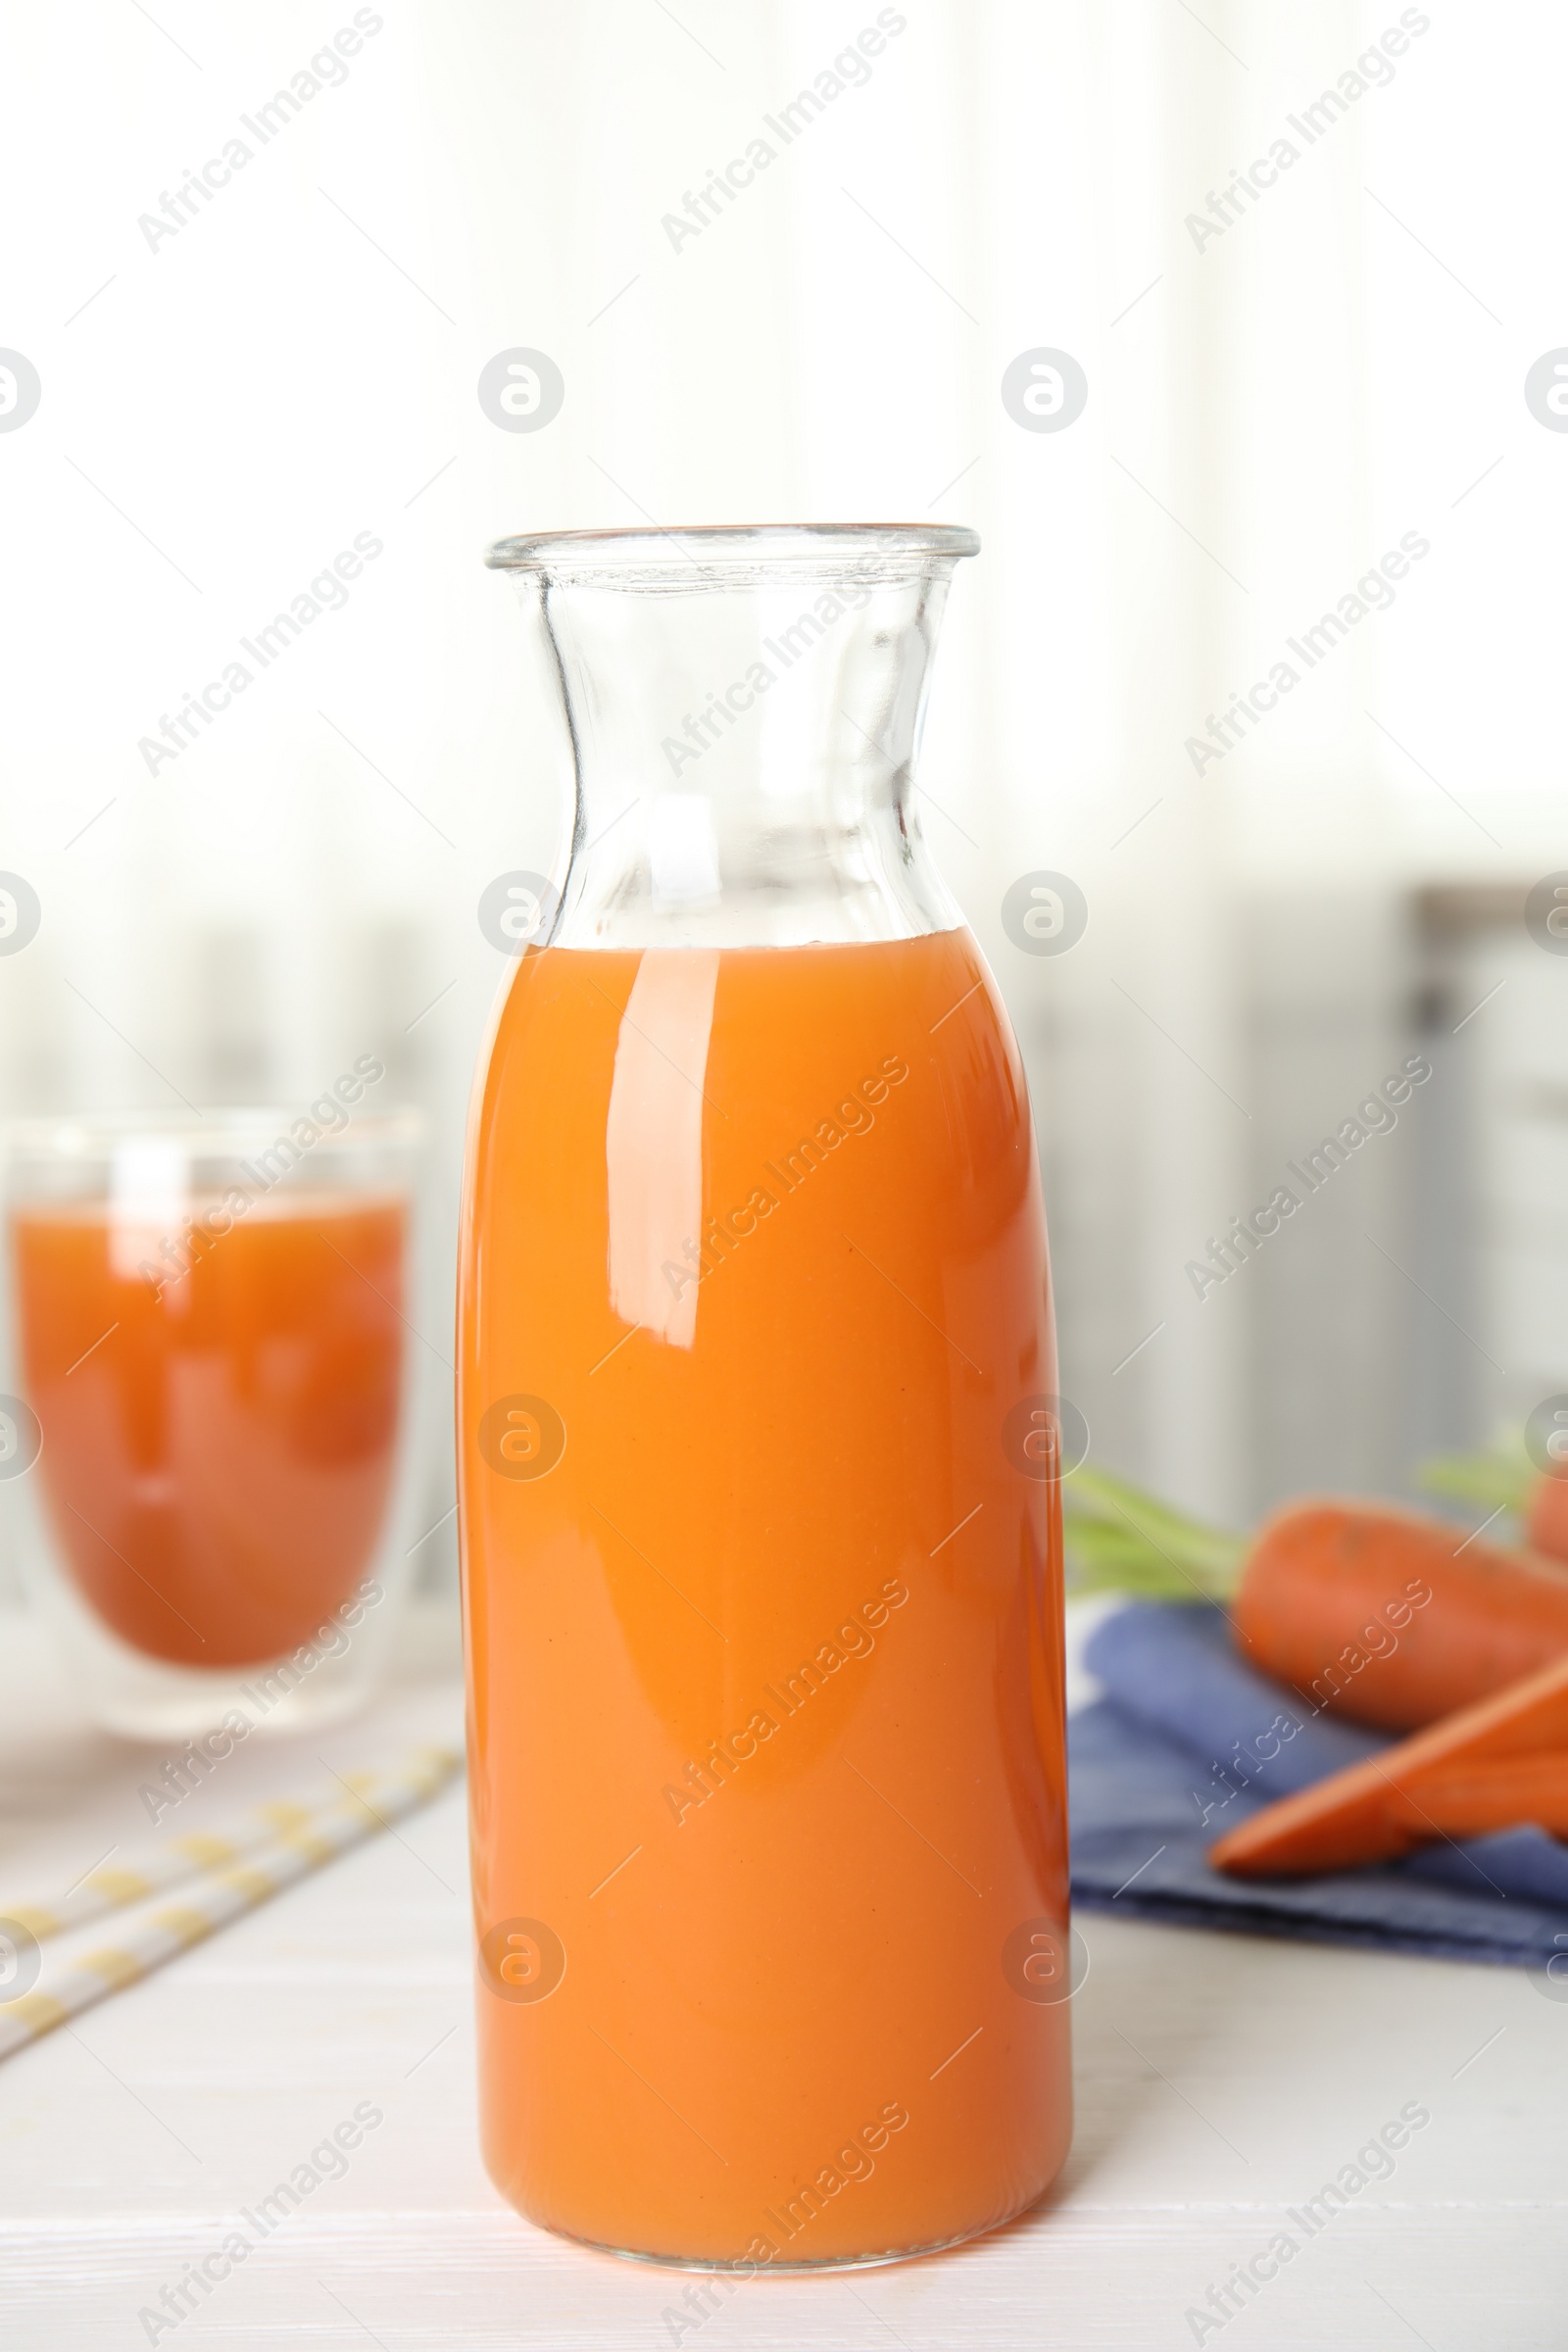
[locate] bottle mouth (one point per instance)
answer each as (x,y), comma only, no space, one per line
(737,555)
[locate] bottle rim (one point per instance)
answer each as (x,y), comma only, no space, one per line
(727,550)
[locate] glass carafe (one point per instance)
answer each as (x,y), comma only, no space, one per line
(759,1492)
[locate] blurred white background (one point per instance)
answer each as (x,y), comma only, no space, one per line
(1273,405)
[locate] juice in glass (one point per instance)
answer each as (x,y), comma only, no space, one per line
(210,1448)
(218,1459)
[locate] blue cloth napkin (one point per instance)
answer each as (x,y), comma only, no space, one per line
(1189,1741)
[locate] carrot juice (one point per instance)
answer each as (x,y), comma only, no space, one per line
(217,1453)
(762,1552)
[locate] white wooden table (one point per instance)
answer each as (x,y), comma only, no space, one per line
(1220,2082)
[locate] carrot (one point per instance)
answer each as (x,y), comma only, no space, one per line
(1465,1800)
(1386,1616)
(1547,1522)
(1486,1767)
(1391,1617)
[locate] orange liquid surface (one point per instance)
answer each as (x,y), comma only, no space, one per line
(216,1468)
(764,1604)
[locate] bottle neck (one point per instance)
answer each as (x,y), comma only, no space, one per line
(745,752)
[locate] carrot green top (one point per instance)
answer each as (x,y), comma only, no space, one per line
(1122,1540)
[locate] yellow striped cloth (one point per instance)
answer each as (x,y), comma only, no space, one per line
(227,1876)
(110,1888)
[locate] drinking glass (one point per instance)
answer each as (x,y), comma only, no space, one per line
(209,1429)
(759,1498)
